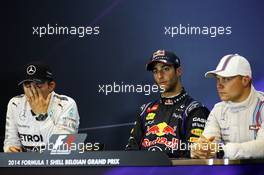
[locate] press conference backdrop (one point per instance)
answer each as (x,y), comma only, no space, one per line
(91,45)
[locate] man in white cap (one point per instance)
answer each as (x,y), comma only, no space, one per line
(234,127)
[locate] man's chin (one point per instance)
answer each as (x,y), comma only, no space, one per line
(224,98)
(163,88)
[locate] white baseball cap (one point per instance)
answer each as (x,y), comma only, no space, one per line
(231,65)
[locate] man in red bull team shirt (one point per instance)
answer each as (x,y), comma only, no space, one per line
(170,123)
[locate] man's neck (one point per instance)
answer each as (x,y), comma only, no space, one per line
(173,93)
(244,95)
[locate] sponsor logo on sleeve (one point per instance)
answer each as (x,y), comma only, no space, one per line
(193,139)
(197,131)
(150,116)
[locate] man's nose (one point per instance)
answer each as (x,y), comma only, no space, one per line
(160,74)
(219,85)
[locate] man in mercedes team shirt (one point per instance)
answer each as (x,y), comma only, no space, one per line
(38,113)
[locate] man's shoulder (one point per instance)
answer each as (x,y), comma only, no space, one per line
(17,99)
(63,98)
(260,94)
(194,105)
(147,107)
(218,106)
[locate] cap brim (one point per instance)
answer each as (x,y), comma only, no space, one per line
(34,80)
(210,74)
(150,64)
(214,73)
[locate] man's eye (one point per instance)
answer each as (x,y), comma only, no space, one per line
(166,68)
(39,85)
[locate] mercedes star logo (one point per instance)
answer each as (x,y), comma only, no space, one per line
(31,69)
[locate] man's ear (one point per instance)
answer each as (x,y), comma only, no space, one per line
(246,81)
(52,86)
(179,71)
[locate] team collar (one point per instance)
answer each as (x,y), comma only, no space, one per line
(173,100)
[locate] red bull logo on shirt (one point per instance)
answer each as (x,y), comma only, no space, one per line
(161,129)
(160,140)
